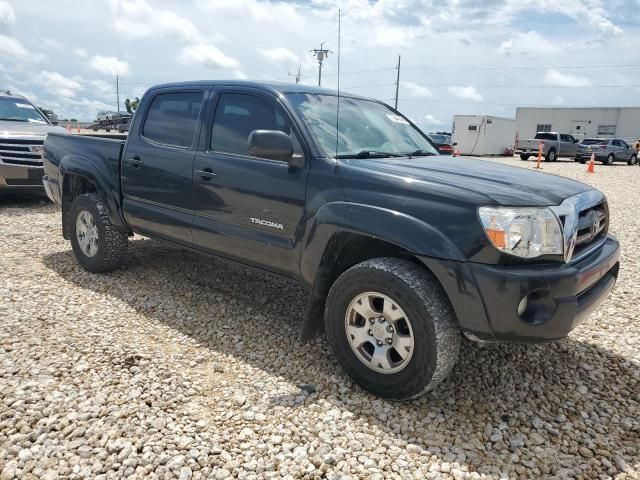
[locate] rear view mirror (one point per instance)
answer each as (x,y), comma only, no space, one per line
(271,144)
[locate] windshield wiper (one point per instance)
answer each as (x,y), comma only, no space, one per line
(369,154)
(9,119)
(421,153)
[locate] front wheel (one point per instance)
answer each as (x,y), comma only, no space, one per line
(391,327)
(610,159)
(524,157)
(97,244)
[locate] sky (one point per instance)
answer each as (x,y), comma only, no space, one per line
(457,56)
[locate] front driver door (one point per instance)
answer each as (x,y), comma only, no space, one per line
(247,208)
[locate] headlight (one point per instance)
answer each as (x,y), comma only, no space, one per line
(525,232)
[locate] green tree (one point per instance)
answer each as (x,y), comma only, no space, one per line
(131,105)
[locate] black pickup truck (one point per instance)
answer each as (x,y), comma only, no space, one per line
(402,250)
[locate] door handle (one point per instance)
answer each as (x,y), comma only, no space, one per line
(206,174)
(135,162)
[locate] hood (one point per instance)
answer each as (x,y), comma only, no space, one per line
(505,185)
(9,129)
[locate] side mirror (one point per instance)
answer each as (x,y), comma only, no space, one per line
(272,144)
(576,140)
(455,144)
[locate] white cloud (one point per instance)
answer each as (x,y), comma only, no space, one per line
(417,90)
(431,120)
(279,55)
(138,19)
(52,43)
(286,15)
(58,84)
(465,93)
(206,55)
(397,35)
(12,47)
(555,78)
(239,74)
(529,43)
(102,88)
(558,100)
(80,52)
(109,65)
(7,17)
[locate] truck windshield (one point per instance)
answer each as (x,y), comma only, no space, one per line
(19,110)
(367,129)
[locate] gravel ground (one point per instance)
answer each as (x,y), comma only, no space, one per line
(181,366)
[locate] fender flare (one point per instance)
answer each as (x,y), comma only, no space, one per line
(319,248)
(103,176)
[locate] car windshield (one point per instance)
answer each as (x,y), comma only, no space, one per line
(19,110)
(440,138)
(594,141)
(366,128)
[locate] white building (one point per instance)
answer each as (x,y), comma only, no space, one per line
(621,122)
(483,134)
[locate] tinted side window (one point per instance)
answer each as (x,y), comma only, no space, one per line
(172,118)
(237,115)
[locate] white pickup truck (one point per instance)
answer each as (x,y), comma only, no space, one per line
(554,145)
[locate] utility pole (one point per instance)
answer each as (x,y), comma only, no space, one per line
(397,81)
(320,53)
(118,92)
(298,76)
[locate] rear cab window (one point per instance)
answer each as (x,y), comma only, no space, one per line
(172,118)
(546,136)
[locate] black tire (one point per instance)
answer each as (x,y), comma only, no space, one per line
(583,161)
(632,160)
(524,157)
(551,155)
(435,329)
(112,243)
(610,159)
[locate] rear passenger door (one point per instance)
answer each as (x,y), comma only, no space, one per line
(157,164)
(248,208)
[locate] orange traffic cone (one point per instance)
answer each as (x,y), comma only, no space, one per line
(78,128)
(540,147)
(69,126)
(591,165)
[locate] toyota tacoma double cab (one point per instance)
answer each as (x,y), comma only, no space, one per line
(554,145)
(402,251)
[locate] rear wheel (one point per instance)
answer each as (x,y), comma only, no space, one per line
(610,159)
(524,157)
(97,244)
(633,160)
(551,156)
(391,327)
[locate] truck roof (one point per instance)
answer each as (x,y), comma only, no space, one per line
(273,87)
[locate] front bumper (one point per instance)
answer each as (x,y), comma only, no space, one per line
(486,297)
(21,179)
(587,156)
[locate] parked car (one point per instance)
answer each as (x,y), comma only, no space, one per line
(607,151)
(104,116)
(442,142)
(23,129)
(401,251)
(555,145)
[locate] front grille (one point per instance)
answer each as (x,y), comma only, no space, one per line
(14,151)
(593,225)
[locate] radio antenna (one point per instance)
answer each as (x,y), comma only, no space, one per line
(338,105)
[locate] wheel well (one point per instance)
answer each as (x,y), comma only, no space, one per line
(73,185)
(343,251)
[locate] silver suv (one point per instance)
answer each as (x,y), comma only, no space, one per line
(606,150)
(23,129)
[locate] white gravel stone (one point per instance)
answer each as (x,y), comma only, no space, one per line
(179,366)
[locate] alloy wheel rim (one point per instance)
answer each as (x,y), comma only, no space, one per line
(87,233)
(379,332)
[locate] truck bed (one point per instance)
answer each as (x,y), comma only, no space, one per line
(102,151)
